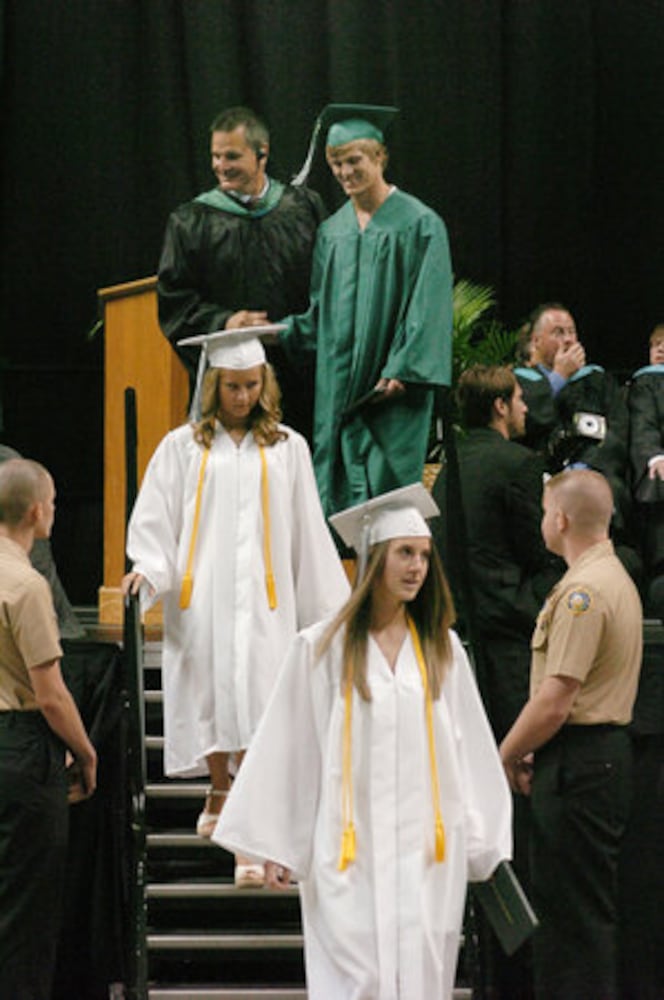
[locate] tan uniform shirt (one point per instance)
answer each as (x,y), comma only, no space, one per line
(28,626)
(591,629)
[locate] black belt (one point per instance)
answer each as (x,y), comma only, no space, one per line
(25,719)
(595,727)
(579,734)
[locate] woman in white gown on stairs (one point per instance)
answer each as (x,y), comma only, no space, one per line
(228,532)
(373,777)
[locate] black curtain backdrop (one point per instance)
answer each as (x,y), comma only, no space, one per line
(534,128)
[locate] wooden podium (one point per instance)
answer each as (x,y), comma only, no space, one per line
(137,355)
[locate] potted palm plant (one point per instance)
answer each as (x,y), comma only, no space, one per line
(478,337)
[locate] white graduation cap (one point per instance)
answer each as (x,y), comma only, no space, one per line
(400,513)
(238,350)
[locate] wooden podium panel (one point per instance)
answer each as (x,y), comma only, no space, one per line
(137,355)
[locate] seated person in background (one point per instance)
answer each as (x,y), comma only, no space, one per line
(646,409)
(577,416)
(41,557)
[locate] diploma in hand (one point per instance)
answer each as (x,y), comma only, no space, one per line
(507,907)
(369,397)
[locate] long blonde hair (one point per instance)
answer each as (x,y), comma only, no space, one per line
(263,420)
(432,610)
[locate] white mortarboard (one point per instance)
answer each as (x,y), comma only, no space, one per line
(346,123)
(238,350)
(398,514)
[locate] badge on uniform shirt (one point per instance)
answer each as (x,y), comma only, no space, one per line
(578,601)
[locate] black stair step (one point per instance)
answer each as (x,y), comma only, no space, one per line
(171,813)
(251,964)
(181,855)
(225,993)
(174,804)
(239,915)
(247,993)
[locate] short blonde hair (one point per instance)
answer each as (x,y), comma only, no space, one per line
(585,497)
(374,149)
(22,484)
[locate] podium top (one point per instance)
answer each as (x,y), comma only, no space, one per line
(138,287)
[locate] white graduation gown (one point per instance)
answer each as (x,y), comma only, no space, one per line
(221,655)
(389,926)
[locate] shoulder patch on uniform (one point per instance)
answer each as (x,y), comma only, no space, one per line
(578,601)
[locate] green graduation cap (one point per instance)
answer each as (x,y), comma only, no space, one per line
(344,123)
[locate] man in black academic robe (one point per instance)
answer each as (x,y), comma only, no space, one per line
(240,254)
(577,416)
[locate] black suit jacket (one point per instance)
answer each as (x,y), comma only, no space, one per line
(511,571)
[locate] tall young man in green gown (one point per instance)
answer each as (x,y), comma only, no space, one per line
(379,320)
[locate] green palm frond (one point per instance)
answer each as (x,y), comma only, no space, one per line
(469,303)
(477,337)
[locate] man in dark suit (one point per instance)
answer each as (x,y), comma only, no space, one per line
(506,564)
(500,572)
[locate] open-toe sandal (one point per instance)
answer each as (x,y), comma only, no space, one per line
(249,876)
(207,821)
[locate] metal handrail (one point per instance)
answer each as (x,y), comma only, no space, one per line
(136,948)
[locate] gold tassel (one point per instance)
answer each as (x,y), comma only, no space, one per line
(270,584)
(440,840)
(271,591)
(347,855)
(439,829)
(188,577)
(185,590)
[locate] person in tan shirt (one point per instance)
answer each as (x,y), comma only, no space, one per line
(569,748)
(39,723)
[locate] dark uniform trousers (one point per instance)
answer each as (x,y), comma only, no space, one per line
(580,804)
(33,842)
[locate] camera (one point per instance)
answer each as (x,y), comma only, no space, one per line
(589,425)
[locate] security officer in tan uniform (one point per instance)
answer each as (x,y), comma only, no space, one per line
(569,748)
(38,722)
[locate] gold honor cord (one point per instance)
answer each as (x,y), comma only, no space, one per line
(188,578)
(347,854)
(267,547)
(435,785)
(348,836)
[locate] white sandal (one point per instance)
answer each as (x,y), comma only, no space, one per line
(248,875)
(207,821)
